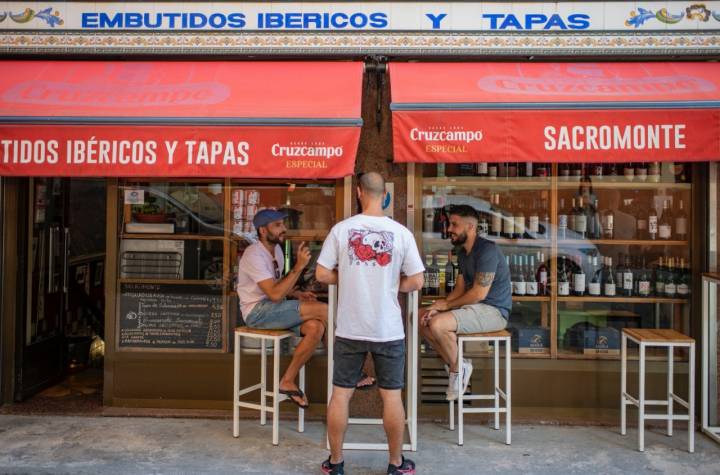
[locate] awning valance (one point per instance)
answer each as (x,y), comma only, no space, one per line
(555,112)
(179,119)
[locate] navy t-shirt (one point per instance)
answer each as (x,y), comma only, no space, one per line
(486,256)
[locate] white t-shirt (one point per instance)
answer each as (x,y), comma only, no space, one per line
(370,252)
(256,265)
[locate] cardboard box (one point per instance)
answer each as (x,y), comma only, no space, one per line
(601,341)
(528,340)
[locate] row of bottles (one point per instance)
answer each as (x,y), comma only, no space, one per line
(641,171)
(528,274)
(440,274)
(632,277)
(586,221)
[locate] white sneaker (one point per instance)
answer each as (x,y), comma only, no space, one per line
(452,389)
(467,369)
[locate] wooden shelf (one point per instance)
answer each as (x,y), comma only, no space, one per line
(435,241)
(632,356)
(483,182)
(620,242)
(307,234)
(515,298)
(171,281)
(623,299)
(189,237)
(513,354)
(620,183)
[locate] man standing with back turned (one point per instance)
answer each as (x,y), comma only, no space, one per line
(480,303)
(365,255)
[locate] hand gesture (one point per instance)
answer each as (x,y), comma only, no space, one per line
(303,256)
(305,296)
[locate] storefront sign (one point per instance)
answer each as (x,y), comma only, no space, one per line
(360,16)
(178,151)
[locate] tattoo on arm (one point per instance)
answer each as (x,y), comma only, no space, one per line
(484,279)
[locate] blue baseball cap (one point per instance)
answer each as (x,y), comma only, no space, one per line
(267,216)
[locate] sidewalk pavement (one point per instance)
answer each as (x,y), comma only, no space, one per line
(109,445)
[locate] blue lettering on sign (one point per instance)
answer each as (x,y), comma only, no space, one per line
(170,20)
(537,21)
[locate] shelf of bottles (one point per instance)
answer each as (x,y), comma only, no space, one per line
(592,248)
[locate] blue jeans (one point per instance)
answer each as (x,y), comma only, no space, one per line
(269,315)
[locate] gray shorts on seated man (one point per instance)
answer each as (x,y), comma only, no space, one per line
(480,302)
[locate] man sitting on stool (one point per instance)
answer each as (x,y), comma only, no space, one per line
(480,303)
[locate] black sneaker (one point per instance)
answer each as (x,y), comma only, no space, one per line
(334,468)
(407,467)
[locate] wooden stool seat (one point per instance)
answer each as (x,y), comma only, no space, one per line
(652,335)
(498,334)
(260,331)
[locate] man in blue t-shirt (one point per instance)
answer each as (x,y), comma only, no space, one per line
(480,303)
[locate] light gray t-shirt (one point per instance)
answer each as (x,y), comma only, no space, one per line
(256,265)
(370,253)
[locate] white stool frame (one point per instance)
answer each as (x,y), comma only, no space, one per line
(709,352)
(411,361)
(498,393)
(640,402)
(277,398)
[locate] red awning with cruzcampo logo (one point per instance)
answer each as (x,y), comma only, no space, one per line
(179,119)
(555,112)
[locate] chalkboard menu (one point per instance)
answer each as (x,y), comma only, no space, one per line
(170,316)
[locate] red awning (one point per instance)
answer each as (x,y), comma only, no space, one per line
(555,112)
(179,119)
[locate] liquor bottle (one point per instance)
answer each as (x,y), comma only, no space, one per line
(681,222)
(580,219)
(482,169)
(545,229)
(496,217)
(529,169)
(518,280)
(571,216)
(641,224)
(519,217)
(434,277)
(609,287)
(564,171)
(594,222)
(595,285)
(533,222)
(654,172)
(563,282)
(508,221)
(449,275)
(660,278)
(683,285)
(562,220)
(483,224)
(629,171)
(492,171)
(644,284)
(628,281)
(619,271)
(531,283)
(652,223)
(542,275)
(608,224)
(641,171)
(670,284)
(579,280)
(665,222)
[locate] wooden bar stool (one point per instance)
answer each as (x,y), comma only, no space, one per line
(663,338)
(276,337)
(503,336)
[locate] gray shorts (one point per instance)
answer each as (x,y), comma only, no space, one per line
(478,318)
(269,315)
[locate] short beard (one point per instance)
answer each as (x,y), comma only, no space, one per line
(459,240)
(274,239)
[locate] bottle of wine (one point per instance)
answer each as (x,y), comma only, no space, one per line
(641,224)
(644,284)
(426,274)
(482,169)
(629,171)
(665,223)
(577,171)
(508,220)
(492,171)
(580,219)
(483,224)
(641,171)
(595,285)
(670,284)
(562,220)
(542,275)
(628,281)
(652,223)
(595,221)
(654,172)
(533,222)
(608,224)
(563,282)
(449,274)
(519,221)
(619,271)
(444,223)
(503,170)
(497,217)
(434,277)
(596,170)
(660,278)
(545,229)
(681,222)
(512,169)
(609,287)
(683,286)
(531,283)
(564,171)
(466,169)
(579,280)
(529,169)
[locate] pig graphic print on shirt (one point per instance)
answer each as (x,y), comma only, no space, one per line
(370,248)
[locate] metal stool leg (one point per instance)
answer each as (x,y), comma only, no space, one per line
(508,391)
(452,415)
(236,387)
(496,377)
(460,391)
(263,381)
(670,391)
(301,411)
(276,391)
(691,400)
(623,385)
(641,401)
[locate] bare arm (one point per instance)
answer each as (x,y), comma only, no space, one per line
(325,275)
(460,296)
(277,291)
(410,283)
